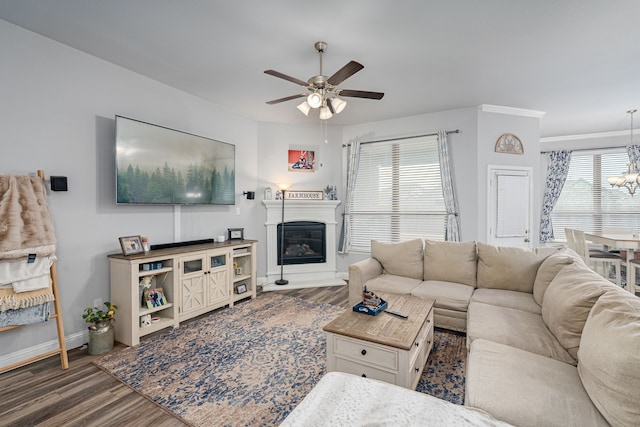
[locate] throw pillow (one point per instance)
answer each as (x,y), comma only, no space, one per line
(513,269)
(440,256)
(568,301)
(547,271)
(401,259)
(609,357)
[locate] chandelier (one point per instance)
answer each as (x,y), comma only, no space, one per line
(628,180)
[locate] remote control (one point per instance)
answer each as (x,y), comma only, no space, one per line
(397,313)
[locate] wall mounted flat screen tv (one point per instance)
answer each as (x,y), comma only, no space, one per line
(158,165)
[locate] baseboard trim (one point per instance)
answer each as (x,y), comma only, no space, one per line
(72,341)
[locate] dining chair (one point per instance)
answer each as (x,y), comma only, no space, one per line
(598,258)
(631,276)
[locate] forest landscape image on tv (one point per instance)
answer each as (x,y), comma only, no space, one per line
(158,165)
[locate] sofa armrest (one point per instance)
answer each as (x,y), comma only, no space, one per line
(359,273)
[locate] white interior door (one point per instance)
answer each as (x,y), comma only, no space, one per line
(510,191)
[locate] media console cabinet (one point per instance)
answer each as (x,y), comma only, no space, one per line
(181,283)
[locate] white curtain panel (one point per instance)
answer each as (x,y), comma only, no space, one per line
(557,169)
(352,172)
(452,231)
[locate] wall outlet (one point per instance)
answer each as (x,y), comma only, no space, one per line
(97,302)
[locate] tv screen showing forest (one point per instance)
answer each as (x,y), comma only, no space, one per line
(158,165)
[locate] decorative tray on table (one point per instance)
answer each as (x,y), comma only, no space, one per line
(370,310)
(371,304)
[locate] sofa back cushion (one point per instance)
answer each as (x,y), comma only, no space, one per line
(548,270)
(514,269)
(450,262)
(609,357)
(568,301)
(400,259)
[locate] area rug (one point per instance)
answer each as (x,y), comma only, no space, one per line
(444,373)
(247,365)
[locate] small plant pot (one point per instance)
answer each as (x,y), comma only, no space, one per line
(101,338)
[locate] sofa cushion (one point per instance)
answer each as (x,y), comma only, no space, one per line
(515,328)
(400,259)
(609,357)
(526,389)
(515,269)
(438,257)
(568,301)
(510,299)
(453,296)
(548,270)
(392,284)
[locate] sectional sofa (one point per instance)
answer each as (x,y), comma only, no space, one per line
(550,342)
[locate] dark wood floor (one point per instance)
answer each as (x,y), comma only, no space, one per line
(42,394)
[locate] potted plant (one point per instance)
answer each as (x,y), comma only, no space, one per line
(101,333)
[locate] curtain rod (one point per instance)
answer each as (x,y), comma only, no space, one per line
(587,149)
(406,137)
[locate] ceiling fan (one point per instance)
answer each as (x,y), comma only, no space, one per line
(324,91)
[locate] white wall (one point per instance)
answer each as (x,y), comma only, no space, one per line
(57,114)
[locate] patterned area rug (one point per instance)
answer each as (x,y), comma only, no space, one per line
(248,365)
(444,373)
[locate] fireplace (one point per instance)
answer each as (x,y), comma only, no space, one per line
(304,242)
(301,211)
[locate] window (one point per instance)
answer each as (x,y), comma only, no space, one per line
(398,193)
(588,202)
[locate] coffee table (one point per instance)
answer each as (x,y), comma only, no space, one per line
(383,347)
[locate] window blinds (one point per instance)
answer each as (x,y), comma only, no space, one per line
(398,193)
(589,203)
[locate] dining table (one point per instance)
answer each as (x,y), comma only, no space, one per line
(630,242)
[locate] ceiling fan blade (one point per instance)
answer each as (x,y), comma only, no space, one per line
(286,98)
(278,74)
(345,72)
(361,94)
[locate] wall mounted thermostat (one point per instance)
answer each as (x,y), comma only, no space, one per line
(236,233)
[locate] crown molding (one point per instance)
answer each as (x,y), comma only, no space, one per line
(587,136)
(487,108)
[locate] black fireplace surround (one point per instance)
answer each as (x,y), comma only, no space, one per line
(304,242)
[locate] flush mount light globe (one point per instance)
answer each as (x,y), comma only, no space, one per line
(314,100)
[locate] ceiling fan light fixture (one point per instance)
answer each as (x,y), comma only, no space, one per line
(304,108)
(338,104)
(325,113)
(314,100)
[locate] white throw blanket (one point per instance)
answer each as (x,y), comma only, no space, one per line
(26,276)
(344,400)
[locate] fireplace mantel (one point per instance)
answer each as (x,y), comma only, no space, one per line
(301,210)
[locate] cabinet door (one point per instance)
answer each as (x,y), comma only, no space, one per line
(192,283)
(218,285)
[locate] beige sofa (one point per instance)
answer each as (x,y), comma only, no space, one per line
(550,342)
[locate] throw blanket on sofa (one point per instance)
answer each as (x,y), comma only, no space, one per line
(26,226)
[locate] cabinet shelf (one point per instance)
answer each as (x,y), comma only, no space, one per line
(145,310)
(242,254)
(241,277)
(145,273)
(164,322)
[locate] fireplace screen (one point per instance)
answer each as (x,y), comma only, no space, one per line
(304,242)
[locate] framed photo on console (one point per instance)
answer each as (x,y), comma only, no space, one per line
(131,245)
(241,289)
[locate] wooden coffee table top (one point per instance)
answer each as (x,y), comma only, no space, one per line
(385,328)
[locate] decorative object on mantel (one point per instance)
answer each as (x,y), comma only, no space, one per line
(282,281)
(510,144)
(303,195)
(330,192)
(268,193)
(628,180)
